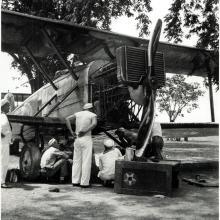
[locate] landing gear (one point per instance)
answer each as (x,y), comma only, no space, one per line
(30,162)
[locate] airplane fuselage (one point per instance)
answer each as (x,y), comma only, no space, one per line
(33,105)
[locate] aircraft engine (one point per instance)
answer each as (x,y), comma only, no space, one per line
(142,71)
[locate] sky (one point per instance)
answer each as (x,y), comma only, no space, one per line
(12,81)
(160,9)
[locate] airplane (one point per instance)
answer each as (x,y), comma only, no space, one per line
(119,74)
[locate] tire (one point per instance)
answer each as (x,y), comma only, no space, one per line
(30,162)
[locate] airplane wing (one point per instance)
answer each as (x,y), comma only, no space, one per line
(20,31)
(25,126)
(50,126)
(41,121)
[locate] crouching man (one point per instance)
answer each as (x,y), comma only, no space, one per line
(154,149)
(54,160)
(107,162)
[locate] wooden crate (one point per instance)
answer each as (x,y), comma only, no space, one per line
(143,178)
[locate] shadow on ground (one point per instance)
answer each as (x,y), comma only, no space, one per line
(188,202)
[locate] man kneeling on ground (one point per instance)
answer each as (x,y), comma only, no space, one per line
(107,162)
(54,160)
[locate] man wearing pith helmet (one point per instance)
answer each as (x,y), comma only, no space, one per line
(107,161)
(54,160)
(85,122)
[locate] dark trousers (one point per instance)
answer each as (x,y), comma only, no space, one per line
(61,165)
(154,149)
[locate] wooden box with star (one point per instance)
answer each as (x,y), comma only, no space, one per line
(144,178)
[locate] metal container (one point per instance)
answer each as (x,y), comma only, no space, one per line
(146,178)
(129,154)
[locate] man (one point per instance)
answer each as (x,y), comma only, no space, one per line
(10,97)
(85,122)
(6,135)
(54,160)
(66,145)
(155,146)
(107,161)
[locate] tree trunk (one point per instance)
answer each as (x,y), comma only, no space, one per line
(35,83)
(39,81)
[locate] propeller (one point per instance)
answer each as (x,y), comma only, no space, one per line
(148,115)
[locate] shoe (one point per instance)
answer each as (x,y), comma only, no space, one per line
(109,183)
(154,159)
(85,186)
(54,190)
(75,184)
(5,186)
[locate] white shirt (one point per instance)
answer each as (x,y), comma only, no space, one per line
(83,121)
(156,130)
(107,163)
(5,128)
(49,157)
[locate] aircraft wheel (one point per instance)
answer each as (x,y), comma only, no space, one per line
(30,162)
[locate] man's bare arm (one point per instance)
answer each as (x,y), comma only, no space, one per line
(68,123)
(100,165)
(61,154)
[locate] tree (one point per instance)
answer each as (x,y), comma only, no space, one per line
(178,95)
(93,13)
(187,18)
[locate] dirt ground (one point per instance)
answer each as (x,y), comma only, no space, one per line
(34,201)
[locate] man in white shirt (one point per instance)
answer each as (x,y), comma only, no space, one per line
(54,160)
(107,161)
(85,122)
(6,136)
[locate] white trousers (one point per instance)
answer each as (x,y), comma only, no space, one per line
(82,160)
(4,158)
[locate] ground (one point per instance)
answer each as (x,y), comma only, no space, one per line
(34,201)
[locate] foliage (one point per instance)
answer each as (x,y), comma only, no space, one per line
(187,18)
(91,13)
(194,17)
(178,95)
(84,12)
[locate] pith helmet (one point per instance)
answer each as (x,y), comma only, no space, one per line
(109,143)
(87,106)
(52,142)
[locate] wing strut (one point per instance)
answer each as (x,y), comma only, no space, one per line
(42,71)
(112,137)
(46,104)
(108,52)
(58,53)
(60,101)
